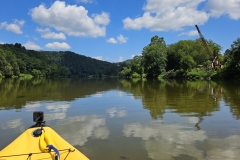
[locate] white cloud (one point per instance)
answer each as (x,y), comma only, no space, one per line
(35,38)
(84,1)
(58,45)
(167,15)
(112,40)
(102,19)
(189,33)
(13,27)
(98,57)
(46,33)
(31,45)
(120,39)
(120,59)
(71,19)
(2,42)
(220,7)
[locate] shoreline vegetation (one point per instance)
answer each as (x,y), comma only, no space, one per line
(186,59)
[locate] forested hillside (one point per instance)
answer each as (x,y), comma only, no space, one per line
(16,60)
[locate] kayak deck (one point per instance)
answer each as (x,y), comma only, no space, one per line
(27,146)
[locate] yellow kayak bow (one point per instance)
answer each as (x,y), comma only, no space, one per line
(47,146)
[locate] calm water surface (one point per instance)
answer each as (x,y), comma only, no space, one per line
(129,119)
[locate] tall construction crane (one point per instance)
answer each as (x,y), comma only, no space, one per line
(213,59)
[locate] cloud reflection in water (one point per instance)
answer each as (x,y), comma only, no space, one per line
(227,148)
(13,124)
(57,107)
(31,106)
(168,141)
(76,130)
(59,111)
(115,112)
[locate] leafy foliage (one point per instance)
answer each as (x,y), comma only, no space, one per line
(193,48)
(187,62)
(132,68)
(232,68)
(16,60)
(155,57)
(185,59)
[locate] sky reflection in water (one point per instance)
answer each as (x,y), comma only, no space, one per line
(112,116)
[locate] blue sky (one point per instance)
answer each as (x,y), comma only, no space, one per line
(115,30)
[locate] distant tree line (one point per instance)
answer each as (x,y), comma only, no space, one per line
(15,60)
(184,59)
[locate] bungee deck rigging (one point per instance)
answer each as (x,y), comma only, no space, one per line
(30,154)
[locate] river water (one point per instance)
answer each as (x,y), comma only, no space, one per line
(117,119)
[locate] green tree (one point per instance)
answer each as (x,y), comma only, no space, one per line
(12,62)
(187,62)
(181,49)
(173,58)
(215,48)
(8,64)
(126,72)
(21,65)
(3,62)
(37,73)
(232,68)
(155,57)
(194,48)
(136,65)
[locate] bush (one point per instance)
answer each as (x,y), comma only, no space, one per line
(217,74)
(169,74)
(201,74)
(180,73)
(144,75)
(25,76)
(135,75)
(196,74)
(174,74)
(37,73)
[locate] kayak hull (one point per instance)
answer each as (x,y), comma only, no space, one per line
(28,146)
